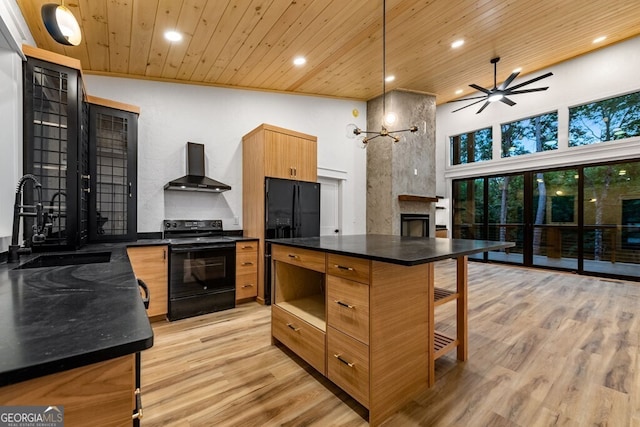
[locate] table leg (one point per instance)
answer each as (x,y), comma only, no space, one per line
(432,326)
(461,284)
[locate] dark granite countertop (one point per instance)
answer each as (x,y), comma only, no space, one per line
(394,249)
(57,318)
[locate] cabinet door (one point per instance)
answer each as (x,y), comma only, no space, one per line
(52,149)
(279,155)
(306,168)
(149,263)
(113,136)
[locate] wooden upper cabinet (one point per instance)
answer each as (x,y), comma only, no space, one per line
(290,155)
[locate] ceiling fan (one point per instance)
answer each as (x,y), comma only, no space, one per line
(500,93)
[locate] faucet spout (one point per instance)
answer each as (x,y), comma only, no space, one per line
(18,211)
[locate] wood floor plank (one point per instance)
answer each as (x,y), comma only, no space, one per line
(545,349)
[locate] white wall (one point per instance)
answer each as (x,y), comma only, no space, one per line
(601,74)
(172,114)
(13,34)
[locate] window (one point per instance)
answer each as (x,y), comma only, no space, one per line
(531,135)
(471,147)
(606,120)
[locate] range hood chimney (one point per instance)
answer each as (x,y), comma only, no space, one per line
(195,180)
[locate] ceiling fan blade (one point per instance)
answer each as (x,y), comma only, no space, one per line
(468,99)
(509,80)
(507,101)
(516,92)
(544,76)
(483,107)
(462,108)
(480,88)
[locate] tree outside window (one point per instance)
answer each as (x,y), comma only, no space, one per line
(607,120)
(530,135)
(471,147)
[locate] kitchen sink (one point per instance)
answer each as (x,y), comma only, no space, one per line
(57,260)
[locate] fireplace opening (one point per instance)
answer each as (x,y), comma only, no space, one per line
(416,225)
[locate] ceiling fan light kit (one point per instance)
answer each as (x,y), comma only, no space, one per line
(387,118)
(61,24)
(500,93)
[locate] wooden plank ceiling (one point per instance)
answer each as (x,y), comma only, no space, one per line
(251,43)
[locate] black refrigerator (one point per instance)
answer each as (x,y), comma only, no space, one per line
(292,209)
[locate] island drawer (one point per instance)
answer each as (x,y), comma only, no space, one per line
(246,262)
(246,285)
(348,307)
(348,364)
(348,267)
(305,340)
(313,260)
(250,246)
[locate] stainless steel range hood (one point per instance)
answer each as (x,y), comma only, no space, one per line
(195,180)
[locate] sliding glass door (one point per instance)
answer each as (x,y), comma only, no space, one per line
(584,219)
(554,219)
(611,237)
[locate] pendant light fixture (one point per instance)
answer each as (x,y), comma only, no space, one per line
(388,119)
(61,24)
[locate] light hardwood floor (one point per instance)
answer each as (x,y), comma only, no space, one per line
(545,349)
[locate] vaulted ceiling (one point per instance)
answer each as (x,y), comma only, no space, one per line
(251,43)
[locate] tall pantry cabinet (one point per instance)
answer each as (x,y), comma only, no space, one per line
(271,151)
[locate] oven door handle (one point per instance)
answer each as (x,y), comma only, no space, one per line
(200,248)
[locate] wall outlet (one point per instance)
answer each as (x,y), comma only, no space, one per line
(415,172)
(236,221)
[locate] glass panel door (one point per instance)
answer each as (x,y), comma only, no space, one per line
(469,211)
(611,237)
(505,202)
(554,218)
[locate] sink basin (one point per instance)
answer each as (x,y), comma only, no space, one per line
(56,260)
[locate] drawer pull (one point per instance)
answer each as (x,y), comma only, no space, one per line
(291,326)
(342,267)
(339,357)
(294,256)
(344,304)
(250,285)
(247,263)
(247,247)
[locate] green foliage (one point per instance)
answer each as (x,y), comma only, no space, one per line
(607,120)
(530,135)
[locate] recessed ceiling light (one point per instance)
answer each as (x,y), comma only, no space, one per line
(517,70)
(600,39)
(457,43)
(389,79)
(459,91)
(300,60)
(173,36)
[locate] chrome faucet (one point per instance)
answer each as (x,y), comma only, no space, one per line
(19,211)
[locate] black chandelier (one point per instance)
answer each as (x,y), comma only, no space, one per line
(383,130)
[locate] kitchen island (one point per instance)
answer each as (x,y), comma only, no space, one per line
(360,310)
(69,334)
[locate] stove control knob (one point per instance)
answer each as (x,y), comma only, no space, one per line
(167,225)
(175,224)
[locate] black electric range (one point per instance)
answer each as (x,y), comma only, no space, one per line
(202,267)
